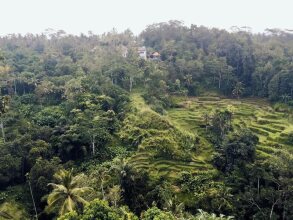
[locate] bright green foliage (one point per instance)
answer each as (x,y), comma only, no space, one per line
(50,116)
(99,209)
(13,210)
(70,216)
(126,213)
(156,214)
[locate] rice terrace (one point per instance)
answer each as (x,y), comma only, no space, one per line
(109,110)
(271,126)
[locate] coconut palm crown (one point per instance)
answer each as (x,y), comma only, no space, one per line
(67,194)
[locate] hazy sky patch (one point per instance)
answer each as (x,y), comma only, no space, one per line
(99,16)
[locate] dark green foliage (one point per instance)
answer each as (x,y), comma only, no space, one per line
(134,190)
(9,169)
(216,59)
(289,141)
(237,150)
(41,174)
(221,123)
(206,192)
(281,86)
(265,189)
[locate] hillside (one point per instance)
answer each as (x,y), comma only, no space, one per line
(200,157)
(179,122)
(272,127)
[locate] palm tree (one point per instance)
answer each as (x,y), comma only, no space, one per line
(285,97)
(114,195)
(188,79)
(121,166)
(103,175)
(67,193)
(238,89)
(206,118)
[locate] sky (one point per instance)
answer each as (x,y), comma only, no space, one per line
(100,16)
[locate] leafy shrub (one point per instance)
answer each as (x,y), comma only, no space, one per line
(237,150)
(98,209)
(155,213)
(281,107)
(49,116)
(3,196)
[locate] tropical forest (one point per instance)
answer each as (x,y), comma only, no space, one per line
(175,123)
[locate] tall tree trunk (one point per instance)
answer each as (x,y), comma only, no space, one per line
(258,186)
(93,145)
(220,80)
(112,80)
(31,191)
(284,209)
(272,209)
(2,129)
(102,189)
(130,83)
(15,92)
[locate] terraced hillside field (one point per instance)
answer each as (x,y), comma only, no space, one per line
(271,127)
(144,159)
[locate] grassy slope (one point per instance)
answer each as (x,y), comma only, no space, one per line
(169,168)
(271,127)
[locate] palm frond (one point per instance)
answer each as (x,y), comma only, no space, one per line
(5,215)
(58,187)
(66,192)
(80,190)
